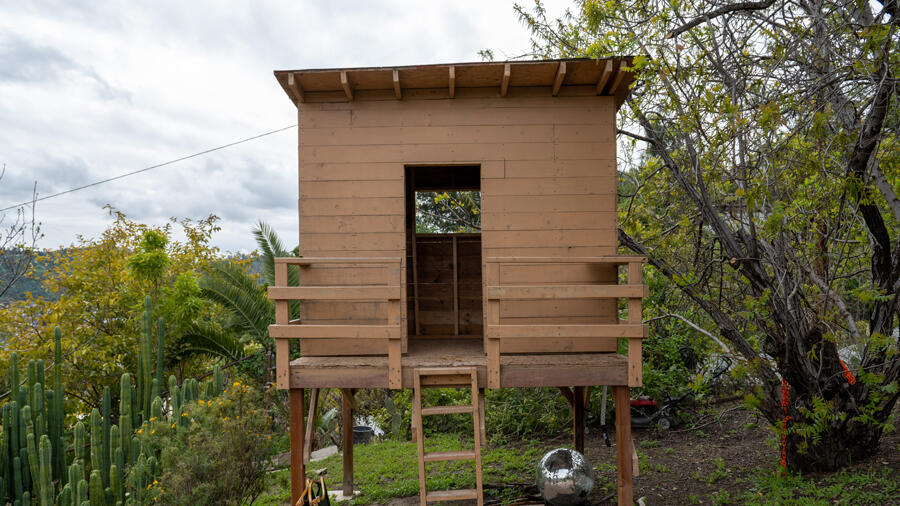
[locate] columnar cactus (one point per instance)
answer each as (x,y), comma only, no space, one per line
(125,415)
(45,489)
(96,442)
(105,436)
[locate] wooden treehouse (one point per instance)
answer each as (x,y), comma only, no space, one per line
(533,300)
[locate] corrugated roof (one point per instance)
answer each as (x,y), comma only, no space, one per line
(573,75)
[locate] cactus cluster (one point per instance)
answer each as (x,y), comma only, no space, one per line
(105,465)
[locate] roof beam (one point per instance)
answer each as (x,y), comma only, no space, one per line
(345,83)
(294,85)
(504,83)
(452,81)
(620,74)
(560,75)
(397,84)
(604,76)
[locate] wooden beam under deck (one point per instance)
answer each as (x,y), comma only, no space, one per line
(550,370)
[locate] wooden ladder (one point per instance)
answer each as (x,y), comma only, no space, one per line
(447,377)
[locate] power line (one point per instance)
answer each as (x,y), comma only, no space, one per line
(145,169)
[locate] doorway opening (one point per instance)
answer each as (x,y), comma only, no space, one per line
(443,245)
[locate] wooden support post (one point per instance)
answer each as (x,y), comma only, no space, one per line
(634,318)
(455,287)
(413,428)
(492,306)
(310,423)
(395,346)
(624,463)
(282,346)
(481,409)
(578,419)
(347,439)
(298,469)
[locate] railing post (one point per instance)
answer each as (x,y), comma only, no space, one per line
(634,318)
(395,345)
(492,317)
(282,346)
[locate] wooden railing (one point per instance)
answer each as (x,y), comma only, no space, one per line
(632,328)
(285,329)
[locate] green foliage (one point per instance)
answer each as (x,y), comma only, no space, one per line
(448,212)
(219,459)
(96,289)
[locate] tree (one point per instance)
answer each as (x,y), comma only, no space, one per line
(97,289)
(761,140)
(448,212)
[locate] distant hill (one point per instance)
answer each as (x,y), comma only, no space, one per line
(24,284)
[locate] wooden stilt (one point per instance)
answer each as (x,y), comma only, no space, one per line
(298,470)
(622,396)
(310,423)
(347,419)
(578,419)
(481,405)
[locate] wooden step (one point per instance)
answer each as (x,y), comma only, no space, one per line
(445,371)
(446,410)
(451,495)
(450,455)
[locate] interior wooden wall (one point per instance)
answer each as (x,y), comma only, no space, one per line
(548,169)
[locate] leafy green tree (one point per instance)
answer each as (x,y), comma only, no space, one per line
(97,288)
(448,212)
(761,143)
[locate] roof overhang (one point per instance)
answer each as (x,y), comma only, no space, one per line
(567,77)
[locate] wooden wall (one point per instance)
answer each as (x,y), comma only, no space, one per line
(548,182)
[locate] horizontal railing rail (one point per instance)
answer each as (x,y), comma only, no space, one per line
(285,329)
(631,329)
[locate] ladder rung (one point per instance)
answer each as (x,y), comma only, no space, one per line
(451,455)
(447,410)
(446,371)
(451,495)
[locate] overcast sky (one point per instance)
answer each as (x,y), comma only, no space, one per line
(93,89)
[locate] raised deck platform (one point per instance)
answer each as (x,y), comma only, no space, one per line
(544,370)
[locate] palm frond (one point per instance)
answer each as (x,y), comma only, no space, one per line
(271,247)
(209,340)
(229,285)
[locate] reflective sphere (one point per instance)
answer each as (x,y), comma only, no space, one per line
(564,477)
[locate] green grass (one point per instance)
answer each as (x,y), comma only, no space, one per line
(388,469)
(874,485)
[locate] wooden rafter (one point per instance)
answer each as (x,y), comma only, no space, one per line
(620,74)
(397,92)
(346,84)
(294,85)
(604,77)
(452,81)
(504,83)
(560,75)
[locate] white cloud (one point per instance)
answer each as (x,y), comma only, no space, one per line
(93,89)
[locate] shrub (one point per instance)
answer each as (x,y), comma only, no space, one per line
(220,458)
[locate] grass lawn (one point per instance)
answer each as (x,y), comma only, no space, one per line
(387,470)
(731,461)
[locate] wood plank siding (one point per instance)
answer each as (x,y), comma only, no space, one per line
(548,182)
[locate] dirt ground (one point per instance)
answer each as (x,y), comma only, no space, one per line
(722,451)
(682,466)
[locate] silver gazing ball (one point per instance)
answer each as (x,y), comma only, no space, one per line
(564,477)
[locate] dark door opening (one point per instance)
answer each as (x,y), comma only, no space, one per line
(443,245)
